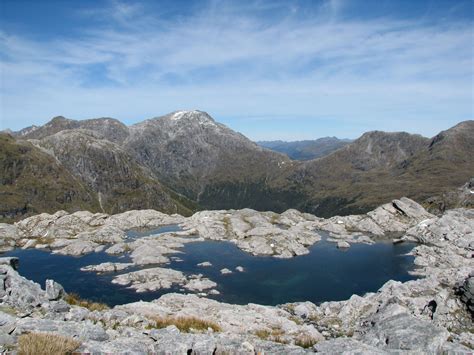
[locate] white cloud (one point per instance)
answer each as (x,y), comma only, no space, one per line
(227,61)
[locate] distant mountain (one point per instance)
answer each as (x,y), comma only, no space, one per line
(185,160)
(206,161)
(109,128)
(381,166)
(307,149)
(24,132)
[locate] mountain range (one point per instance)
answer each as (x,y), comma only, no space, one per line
(307,149)
(185,161)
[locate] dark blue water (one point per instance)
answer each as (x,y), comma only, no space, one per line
(325,274)
(134,234)
(39,265)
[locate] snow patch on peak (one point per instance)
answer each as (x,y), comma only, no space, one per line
(178,115)
(181,113)
(198,116)
(205,119)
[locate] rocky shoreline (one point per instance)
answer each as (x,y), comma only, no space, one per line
(283,235)
(430,314)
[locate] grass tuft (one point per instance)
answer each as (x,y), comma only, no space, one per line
(46,344)
(305,341)
(8,310)
(227,225)
(262,334)
(75,300)
(185,324)
(44,240)
(275,335)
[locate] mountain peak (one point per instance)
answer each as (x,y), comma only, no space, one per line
(191,115)
(464,127)
(185,113)
(383,134)
(461,136)
(58,119)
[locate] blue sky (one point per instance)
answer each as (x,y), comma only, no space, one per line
(269,69)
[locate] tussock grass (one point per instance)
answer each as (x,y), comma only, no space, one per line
(262,334)
(8,310)
(227,225)
(275,335)
(305,341)
(44,240)
(75,300)
(46,344)
(185,324)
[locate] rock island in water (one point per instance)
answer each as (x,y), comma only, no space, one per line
(432,313)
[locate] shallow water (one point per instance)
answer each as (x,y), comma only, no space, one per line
(134,234)
(325,274)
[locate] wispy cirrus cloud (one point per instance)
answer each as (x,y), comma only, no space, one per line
(244,60)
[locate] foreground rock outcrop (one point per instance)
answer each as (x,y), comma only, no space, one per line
(432,314)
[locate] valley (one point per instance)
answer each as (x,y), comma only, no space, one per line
(307,149)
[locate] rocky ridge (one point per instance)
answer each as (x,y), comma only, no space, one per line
(432,314)
(462,197)
(108,128)
(105,168)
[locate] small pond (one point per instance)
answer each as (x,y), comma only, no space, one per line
(325,274)
(135,234)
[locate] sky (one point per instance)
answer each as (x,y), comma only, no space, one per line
(274,69)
